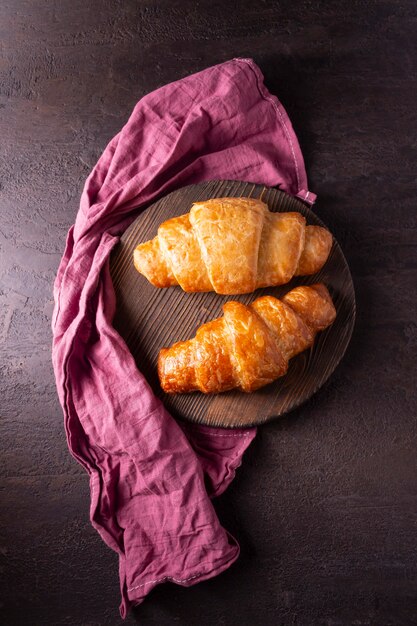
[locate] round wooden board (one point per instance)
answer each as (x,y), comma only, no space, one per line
(149,318)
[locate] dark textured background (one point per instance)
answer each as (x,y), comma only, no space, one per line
(325,505)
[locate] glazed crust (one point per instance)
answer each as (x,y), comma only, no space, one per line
(228,231)
(149,260)
(181,251)
(213,365)
(316,250)
(292,332)
(280,249)
(249,346)
(255,353)
(232,246)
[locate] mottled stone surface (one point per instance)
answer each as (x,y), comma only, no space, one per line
(325,504)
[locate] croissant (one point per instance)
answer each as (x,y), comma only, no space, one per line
(232,246)
(249,346)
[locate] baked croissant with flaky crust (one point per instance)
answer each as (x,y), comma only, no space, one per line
(249,346)
(231,246)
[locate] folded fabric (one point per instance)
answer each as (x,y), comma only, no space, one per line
(152,479)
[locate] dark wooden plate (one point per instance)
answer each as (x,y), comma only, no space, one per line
(149,318)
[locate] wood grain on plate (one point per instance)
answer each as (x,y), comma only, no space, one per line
(149,318)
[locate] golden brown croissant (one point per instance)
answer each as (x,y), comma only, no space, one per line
(231,246)
(249,346)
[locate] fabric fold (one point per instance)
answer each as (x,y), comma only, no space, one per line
(152,480)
